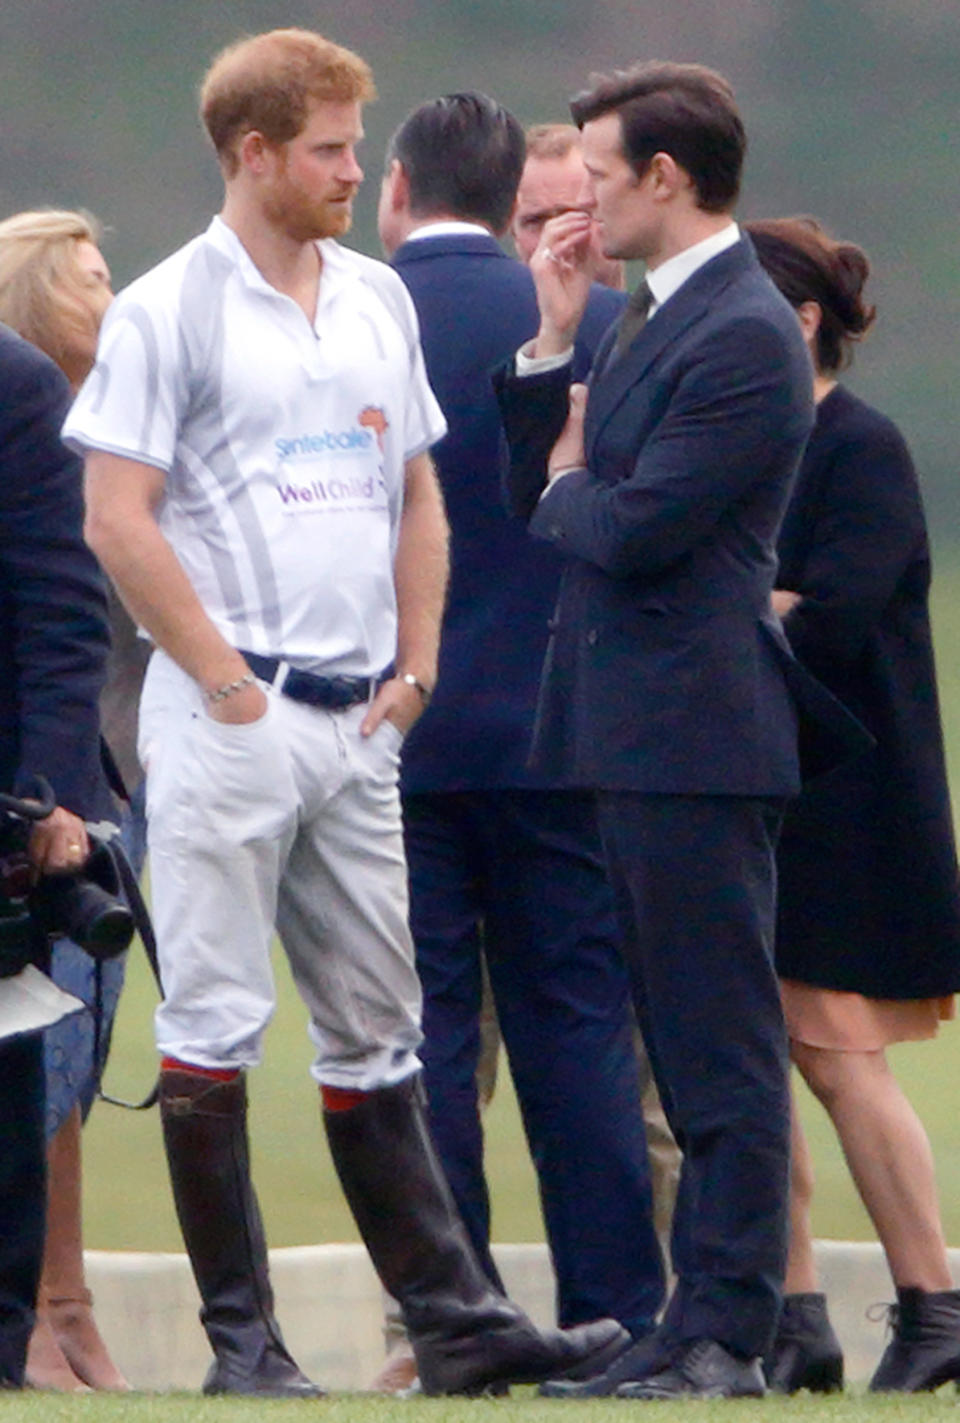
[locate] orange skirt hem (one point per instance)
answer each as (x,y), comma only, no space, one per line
(850,1022)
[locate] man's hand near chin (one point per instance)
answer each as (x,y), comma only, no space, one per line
(562,268)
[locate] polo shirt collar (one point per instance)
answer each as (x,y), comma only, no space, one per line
(336,271)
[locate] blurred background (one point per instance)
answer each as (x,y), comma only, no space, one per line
(852,110)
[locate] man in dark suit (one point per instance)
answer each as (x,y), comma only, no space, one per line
(551,184)
(501,862)
(53,649)
(666,681)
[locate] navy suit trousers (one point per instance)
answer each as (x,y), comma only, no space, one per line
(517,875)
(694,881)
(22,1197)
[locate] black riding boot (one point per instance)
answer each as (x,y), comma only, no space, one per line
(205,1133)
(925,1349)
(467,1337)
(805,1352)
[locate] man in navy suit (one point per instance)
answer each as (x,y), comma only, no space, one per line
(551,184)
(502,862)
(53,651)
(666,681)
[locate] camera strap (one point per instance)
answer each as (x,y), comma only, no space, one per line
(144,926)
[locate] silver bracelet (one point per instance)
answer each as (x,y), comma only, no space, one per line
(228,688)
(412,681)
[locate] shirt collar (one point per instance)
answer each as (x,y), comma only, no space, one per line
(447,228)
(670,276)
(336,269)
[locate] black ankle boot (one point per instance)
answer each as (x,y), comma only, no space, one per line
(925,1349)
(805,1352)
(205,1133)
(467,1337)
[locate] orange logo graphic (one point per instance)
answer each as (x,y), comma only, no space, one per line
(373,418)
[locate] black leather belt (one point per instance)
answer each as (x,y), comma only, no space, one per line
(332,693)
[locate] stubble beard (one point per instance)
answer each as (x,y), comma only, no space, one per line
(304,220)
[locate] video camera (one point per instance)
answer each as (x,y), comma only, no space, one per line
(84,906)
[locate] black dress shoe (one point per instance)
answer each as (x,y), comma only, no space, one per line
(634,1362)
(514,1351)
(701,1369)
(805,1352)
(925,1349)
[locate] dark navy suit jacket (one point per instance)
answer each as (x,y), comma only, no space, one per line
(53,628)
(476,732)
(666,670)
(53,645)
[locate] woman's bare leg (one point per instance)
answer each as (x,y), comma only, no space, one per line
(889,1156)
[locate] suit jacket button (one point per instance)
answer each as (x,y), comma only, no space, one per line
(592,637)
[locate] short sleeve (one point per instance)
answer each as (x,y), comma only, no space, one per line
(131,403)
(425,422)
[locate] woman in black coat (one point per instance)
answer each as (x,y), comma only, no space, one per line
(868,931)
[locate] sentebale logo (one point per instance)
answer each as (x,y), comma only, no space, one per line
(326,442)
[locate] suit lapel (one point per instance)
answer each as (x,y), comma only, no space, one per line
(608,388)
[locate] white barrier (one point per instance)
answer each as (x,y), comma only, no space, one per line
(330,1308)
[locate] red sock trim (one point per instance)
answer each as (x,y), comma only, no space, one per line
(340,1099)
(217,1074)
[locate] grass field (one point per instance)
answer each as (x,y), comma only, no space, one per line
(127,1199)
(522,1407)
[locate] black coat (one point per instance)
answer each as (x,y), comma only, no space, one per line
(868,873)
(53,629)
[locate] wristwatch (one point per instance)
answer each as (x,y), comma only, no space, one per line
(412,681)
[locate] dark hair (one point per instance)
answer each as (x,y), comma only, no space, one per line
(462,154)
(685,110)
(809,265)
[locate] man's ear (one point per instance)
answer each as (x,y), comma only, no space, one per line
(667,177)
(398,187)
(253,151)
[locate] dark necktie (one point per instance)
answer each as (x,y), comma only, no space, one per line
(633,320)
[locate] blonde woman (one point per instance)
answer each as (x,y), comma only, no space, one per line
(55,285)
(54,290)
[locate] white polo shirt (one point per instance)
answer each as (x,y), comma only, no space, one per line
(283,443)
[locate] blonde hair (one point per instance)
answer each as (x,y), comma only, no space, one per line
(552,140)
(43,294)
(267,83)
